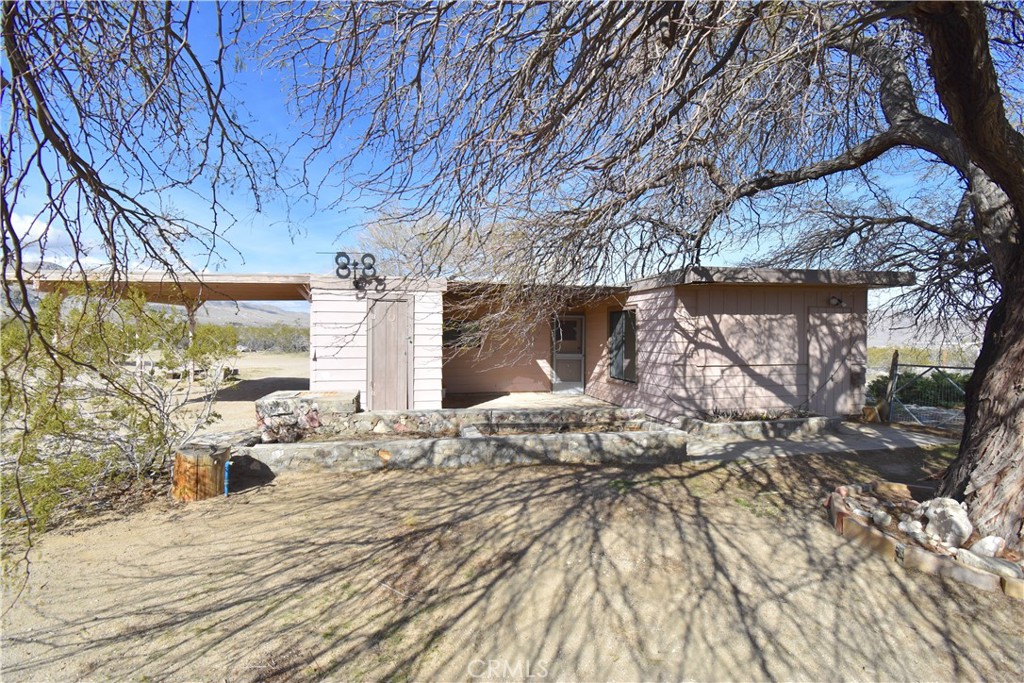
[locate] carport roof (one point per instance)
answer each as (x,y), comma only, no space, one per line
(160,287)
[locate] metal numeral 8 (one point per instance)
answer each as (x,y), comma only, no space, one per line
(344,263)
(369,262)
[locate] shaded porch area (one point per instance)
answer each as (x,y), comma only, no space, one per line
(523,399)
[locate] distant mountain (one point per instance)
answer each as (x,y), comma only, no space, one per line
(903,332)
(246,314)
(243,314)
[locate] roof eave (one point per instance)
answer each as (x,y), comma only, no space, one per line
(707,275)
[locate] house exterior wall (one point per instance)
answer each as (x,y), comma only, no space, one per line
(427,353)
(339,353)
(736,347)
(501,365)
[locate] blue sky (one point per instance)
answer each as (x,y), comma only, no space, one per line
(289,235)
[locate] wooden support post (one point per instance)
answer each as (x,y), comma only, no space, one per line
(885,405)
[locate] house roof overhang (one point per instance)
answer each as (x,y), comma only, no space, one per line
(706,275)
(196,288)
(474,286)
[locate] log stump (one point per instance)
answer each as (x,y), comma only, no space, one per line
(199,472)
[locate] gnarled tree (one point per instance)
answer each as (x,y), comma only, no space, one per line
(625,138)
(115,111)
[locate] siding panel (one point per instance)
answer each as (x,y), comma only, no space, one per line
(735,347)
(338,343)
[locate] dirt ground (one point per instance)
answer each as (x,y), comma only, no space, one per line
(259,374)
(702,571)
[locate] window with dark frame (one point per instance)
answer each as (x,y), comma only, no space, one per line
(622,345)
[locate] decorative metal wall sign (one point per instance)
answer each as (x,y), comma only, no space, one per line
(362,271)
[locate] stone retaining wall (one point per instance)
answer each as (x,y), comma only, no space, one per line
(289,416)
(442,423)
(766,429)
(445,438)
(664,445)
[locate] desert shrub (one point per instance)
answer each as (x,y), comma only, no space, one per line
(211,344)
(933,389)
(881,356)
(277,338)
(79,417)
(723,415)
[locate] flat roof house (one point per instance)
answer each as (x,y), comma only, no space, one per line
(694,340)
(690,341)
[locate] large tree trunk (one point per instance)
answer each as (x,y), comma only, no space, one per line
(989,471)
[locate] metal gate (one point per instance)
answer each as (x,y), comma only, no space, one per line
(931,395)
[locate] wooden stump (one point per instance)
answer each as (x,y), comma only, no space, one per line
(199,472)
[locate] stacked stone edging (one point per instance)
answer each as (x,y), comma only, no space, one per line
(446,438)
(911,556)
(757,429)
(289,416)
(450,423)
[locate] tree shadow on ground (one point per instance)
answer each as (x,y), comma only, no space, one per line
(698,571)
(253,389)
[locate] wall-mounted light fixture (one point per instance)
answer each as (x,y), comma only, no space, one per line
(835,301)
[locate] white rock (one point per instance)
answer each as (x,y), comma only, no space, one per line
(990,564)
(947,520)
(990,546)
(858,511)
(881,518)
(922,538)
(911,526)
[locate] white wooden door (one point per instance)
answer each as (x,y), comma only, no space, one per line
(390,350)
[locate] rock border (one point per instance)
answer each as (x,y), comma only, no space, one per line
(293,416)
(462,438)
(910,556)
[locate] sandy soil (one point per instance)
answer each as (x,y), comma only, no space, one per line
(703,571)
(259,374)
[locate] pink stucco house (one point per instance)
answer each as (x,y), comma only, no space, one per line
(689,341)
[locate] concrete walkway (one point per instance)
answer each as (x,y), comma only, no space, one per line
(851,438)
